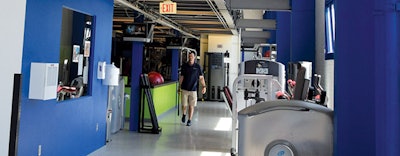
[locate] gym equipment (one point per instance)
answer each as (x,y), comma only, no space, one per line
(248,90)
(264,67)
(215,75)
(316,92)
(298,89)
(154,128)
(303,89)
(293,67)
(74,90)
(228,98)
(155,78)
(286,128)
(302,85)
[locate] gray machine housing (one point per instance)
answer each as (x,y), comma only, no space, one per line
(285,128)
(216,73)
(264,67)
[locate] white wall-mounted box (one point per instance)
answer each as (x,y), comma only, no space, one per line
(101,70)
(43,81)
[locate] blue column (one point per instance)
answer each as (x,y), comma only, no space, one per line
(271,15)
(303,31)
(137,63)
(283,37)
(272,39)
(386,52)
(175,64)
(355,79)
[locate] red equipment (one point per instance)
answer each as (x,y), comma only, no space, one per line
(155,78)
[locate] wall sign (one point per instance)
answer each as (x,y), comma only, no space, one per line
(167,7)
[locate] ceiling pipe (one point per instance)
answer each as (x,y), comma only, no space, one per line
(156,19)
(215,10)
(226,16)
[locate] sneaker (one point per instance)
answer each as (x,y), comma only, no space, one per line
(189,123)
(183,118)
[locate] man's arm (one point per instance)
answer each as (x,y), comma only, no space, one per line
(203,84)
(180,80)
(180,83)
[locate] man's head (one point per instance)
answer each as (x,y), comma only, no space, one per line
(192,57)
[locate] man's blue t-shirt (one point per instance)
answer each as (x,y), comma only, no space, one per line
(191,74)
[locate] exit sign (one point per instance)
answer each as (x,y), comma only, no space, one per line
(167,7)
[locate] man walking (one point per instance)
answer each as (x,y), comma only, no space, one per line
(191,74)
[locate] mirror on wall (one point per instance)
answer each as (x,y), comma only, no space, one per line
(75,53)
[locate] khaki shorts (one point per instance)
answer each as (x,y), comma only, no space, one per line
(189,98)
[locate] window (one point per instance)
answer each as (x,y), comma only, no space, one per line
(330,30)
(75,52)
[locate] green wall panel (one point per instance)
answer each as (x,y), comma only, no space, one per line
(165,97)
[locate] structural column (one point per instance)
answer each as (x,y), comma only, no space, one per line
(387,80)
(175,64)
(303,31)
(362,70)
(137,63)
(272,39)
(283,37)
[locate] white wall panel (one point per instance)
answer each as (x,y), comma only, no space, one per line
(12,14)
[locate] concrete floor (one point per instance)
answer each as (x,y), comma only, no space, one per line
(209,135)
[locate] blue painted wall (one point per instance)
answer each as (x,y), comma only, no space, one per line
(68,127)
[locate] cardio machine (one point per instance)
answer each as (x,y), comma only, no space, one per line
(258,81)
(285,128)
(293,127)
